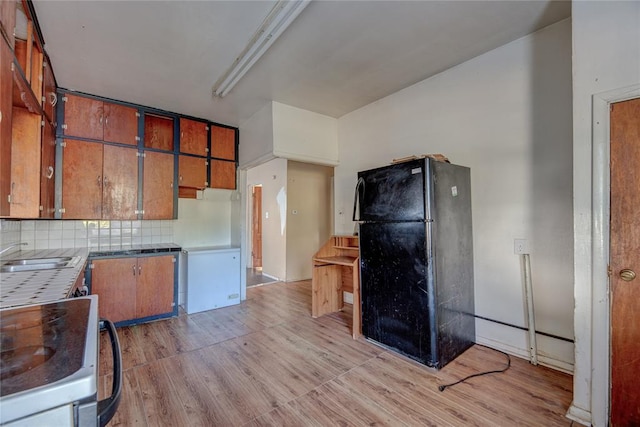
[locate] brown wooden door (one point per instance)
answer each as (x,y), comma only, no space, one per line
(223,174)
(194,136)
(49,91)
(154,290)
(25,164)
(192,171)
(82,180)
(625,255)
(157,185)
(223,143)
(158,132)
(83,117)
(256,227)
(6,88)
(114,281)
(120,182)
(120,124)
(47,171)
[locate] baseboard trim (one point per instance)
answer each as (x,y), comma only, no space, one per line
(579,415)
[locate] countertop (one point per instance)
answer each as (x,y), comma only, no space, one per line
(211,248)
(39,286)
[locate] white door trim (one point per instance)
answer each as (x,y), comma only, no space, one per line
(597,252)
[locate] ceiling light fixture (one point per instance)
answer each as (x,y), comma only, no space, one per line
(278,19)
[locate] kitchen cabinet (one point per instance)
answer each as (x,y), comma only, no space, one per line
(158,132)
(192,172)
(194,137)
(49,95)
(223,174)
(157,185)
(47,171)
(99,181)
(6,106)
(223,143)
(99,120)
(134,289)
(8,20)
(25,164)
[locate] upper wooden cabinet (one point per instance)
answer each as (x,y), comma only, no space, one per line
(6,85)
(104,121)
(194,137)
(47,171)
(193,172)
(157,185)
(223,143)
(49,95)
(158,132)
(99,181)
(223,174)
(8,20)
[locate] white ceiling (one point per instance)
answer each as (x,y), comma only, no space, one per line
(336,57)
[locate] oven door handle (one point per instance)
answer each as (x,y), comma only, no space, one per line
(108,407)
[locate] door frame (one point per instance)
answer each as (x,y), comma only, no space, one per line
(591,264)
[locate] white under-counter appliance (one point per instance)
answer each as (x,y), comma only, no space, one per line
(49,365)
(212,277)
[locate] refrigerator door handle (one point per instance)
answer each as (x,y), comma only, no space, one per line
(356,199)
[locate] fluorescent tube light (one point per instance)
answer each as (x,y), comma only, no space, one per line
(278,19)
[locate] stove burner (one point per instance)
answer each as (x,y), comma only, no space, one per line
(17,361)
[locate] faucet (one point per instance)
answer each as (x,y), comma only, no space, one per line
(15,245)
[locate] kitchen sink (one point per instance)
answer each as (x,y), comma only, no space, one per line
(30,264)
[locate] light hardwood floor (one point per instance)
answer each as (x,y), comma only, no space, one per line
(266,362)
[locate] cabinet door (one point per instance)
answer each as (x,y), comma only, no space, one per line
(6,88)
(223,143)
(193,137)
(83,117)
(158,132)
(8,18)
(49,96)
(223,174)
(120,124)
(114,281)
(193,172)
(82,180)
(157,185)
(25,163)
(155,288)
(120,183)
(47,187)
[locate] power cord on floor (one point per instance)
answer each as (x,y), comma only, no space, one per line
(445,386)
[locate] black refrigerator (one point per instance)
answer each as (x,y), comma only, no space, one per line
(416,259)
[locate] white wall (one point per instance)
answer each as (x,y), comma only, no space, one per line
(273,178)
(256,138)
(506,115)
(606,57)
(204,222)
(308,215)
(304,136)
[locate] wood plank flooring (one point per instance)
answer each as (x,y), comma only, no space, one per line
(266,362)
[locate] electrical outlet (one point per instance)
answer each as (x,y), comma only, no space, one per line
(520,246)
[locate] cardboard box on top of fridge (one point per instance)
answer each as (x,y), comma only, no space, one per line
(438,157)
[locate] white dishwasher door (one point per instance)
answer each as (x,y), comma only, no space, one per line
(213,279)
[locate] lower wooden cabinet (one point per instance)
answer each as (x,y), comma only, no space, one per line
(134,289)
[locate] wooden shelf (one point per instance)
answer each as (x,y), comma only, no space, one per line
(338,260)
(336,269)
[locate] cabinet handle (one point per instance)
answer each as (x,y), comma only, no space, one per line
(54,99)
(99,181)
(50,172)
(139,270)
(100,119)
(104,180)
(106,121)
(133,267)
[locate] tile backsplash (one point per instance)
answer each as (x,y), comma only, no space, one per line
(93,234)
(9,233)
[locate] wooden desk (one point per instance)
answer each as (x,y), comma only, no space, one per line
(336,269)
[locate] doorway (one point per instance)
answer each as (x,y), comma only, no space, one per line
(624,262)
